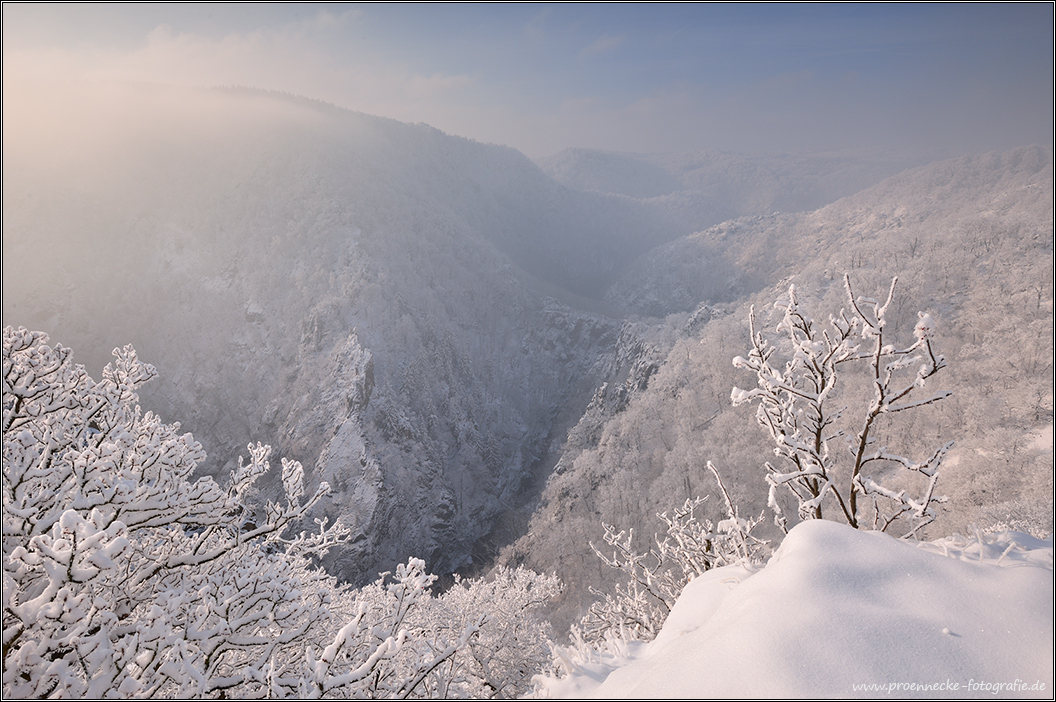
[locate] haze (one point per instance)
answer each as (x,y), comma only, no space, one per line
(936,80)
(483,271)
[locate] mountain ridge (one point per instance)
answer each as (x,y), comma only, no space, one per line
(434,325)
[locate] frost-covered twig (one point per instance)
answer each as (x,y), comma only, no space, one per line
(797,406)
(654,580)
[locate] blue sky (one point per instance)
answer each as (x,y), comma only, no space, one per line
(941,79)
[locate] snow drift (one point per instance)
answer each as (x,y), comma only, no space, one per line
(843,613)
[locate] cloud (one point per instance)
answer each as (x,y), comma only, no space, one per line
(324,20)
(542,79)
(310,56)
(603,44)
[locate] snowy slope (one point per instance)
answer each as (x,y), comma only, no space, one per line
(415,316)
(838,612)
(971,241)
(936,223)
(378,300)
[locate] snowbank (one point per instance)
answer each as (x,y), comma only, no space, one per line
(843,613)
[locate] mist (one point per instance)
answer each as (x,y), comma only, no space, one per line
(484,270)
(943,81)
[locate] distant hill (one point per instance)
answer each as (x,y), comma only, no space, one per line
(700,189)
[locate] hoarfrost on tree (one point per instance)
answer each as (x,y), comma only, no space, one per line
(798,407)
(122,577)
(655,579)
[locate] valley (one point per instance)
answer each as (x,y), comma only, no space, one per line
(488,357)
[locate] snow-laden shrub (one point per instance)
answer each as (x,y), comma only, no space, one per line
(654,580)
(800,407)
(123,578)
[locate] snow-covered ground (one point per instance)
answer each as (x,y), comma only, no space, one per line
(843,613)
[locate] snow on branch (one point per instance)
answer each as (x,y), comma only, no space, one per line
(122,578)
(797,406)
(654,580)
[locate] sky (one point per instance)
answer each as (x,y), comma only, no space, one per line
(945,80)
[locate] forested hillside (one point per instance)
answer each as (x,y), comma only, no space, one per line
(971,243)
(380,301)
(699,189)
(482,358)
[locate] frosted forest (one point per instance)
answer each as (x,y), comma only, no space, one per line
(303,402)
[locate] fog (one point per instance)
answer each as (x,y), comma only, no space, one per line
(943,80)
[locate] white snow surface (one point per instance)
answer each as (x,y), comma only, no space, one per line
(838,612)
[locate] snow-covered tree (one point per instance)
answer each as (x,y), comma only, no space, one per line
(513,643)
(123,578)
(121,575)
(482,638)
(800,407)
(386,650)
